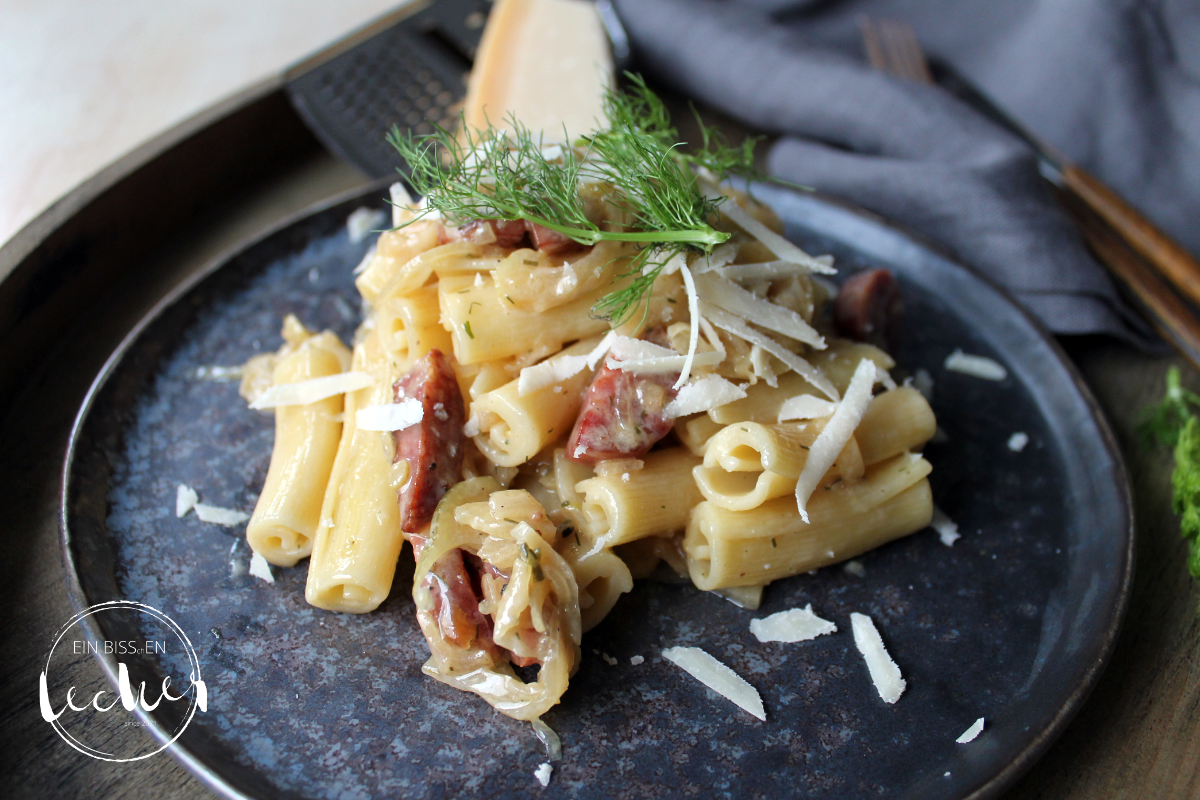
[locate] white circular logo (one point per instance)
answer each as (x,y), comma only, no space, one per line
(142,664)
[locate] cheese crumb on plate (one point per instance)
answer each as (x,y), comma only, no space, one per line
(970,733)
(220,516)
(259,568)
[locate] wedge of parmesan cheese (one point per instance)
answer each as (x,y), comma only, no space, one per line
(970,733)
(805,406)
(702,394)
(793,625)
(260,569)
(837,432)
(389,417)
(975,366)
(220,516)
(313,390)
(884,672)
(185,499)
(773,241)
(543,62)
(718,677)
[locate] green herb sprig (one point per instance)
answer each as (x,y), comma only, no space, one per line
(505,174)
(1174,424)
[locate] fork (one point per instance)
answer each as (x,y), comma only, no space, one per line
(1135,252)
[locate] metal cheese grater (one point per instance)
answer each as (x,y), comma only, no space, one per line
(408,69)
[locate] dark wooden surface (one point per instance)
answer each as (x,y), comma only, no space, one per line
(1138,735)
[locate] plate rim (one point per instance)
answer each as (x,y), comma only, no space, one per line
(1036,747)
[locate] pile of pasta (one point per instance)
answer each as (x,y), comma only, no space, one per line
(465,423)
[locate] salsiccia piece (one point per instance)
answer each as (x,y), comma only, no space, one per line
(867,307)
(623,415)
(433,447)
(550,241)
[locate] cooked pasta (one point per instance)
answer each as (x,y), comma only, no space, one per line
(551,416)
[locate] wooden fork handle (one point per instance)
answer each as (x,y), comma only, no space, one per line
(1160,251)
(1171,317)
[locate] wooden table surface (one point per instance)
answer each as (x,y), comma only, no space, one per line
(1137,736)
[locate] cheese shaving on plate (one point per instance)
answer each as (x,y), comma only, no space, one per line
(772,240)
(702,394)
(884,672)
(220,516)
(741,329)
(185,499)
(718,677)
(975,366)
(970,733)
(389,417)
(259,568)
(728,295)
(805,406)
(837,432)
(362,222)
(313,390)
(793,625)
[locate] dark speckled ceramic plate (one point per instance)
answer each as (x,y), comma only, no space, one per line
(1013,623)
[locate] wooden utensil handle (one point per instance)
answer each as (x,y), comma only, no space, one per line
(1162,252)
(1171,317)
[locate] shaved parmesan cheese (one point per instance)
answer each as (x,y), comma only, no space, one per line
(793,625)
(694,329)
(945,527)
(728,295)
(1017,441)
(718,677)
(601,349)
(259,568)
(390,417)
(975,366)
(549,372)
(543,773)
(626,348)
(739,328)
(773,241)
(805,406)
(638,355)
(970,733)
(220,374)
(884,672)
(612,662)
(761,270)
(313,390)
(702,394)
(185,499)
(837,433)
(220,516)
(362,222)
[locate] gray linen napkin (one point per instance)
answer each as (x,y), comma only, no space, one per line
(907,151)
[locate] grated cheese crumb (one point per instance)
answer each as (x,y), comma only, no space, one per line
(975,366)
(1017,441)
(946,528)
(970,733)
(220,516)
(637,660)
(793,625)
(543,773)
(855,568)
(185,499)
(718,677)
(884,672)
(612,662)
(259,568)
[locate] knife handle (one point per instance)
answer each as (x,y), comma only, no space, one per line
(1161,252)
(1171,317)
